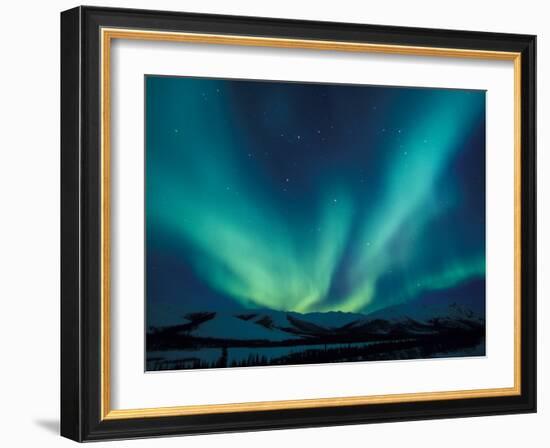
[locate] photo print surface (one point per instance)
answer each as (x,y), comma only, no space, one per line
(293,223)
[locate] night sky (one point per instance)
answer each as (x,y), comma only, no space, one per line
(309,197)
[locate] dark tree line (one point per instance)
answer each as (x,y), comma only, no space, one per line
(428,346)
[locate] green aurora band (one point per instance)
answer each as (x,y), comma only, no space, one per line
(338,242)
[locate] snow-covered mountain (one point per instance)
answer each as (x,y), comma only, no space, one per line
(227,326)
(466,301)
(298,323)
(264,325)
(461,308)
(458,309)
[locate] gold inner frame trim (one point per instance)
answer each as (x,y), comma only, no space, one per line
(107,35)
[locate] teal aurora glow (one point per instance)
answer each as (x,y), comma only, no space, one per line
(309,197)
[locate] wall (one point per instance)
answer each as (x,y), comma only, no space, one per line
(29,237)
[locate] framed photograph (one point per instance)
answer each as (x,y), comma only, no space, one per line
(275,224)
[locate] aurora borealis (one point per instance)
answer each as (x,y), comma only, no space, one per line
(309,197)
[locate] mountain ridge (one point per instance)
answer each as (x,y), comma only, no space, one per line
(458,309)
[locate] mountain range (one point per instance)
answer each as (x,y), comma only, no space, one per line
(460,309)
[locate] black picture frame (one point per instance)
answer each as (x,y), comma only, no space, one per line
(81,380)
